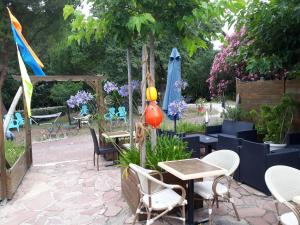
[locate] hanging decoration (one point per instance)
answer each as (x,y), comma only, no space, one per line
(151,94)
(153,115)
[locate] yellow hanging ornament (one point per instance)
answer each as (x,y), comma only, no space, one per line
(151,94)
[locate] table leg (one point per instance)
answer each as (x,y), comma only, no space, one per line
(208,149)
(79,124)
(190,200)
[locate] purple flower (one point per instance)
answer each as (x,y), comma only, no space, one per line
(180,85)
(135,84)
(176,108)
(82,97)
(110,86)
(123,91)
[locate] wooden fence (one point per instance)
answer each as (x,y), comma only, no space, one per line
(256,93)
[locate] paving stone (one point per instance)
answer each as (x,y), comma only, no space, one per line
(112,211)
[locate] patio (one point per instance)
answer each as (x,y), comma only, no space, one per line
(63,187)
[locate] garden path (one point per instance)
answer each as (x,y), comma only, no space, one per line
(63,187)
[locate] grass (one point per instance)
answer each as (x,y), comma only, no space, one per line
(13,151)
(185,127)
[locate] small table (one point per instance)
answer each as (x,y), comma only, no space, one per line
(191,169)
(207,141)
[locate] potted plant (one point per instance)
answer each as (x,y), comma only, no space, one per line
(16,166)
(274,122)
(200,105)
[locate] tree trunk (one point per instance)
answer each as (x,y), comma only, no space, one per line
(130,95)
(152,72)
(143,90)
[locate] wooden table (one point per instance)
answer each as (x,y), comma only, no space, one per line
(189,170)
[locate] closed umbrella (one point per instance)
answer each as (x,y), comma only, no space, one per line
(173,94)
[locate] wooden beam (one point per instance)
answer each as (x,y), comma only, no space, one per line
(3,178)
(35,79)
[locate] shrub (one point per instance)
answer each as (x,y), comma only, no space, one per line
(234,113)
(185,127)
(13,151)
(166,149)
(275,121)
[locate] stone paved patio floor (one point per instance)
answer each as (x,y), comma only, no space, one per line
(74,192)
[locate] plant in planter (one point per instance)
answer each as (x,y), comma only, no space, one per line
(274,122)
(234,113)
(12,152)
(200,105)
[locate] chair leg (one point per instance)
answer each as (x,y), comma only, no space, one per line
(210,212)
(183,214)
(94,159)
(217,201)
(97,162)
(235,211)
(137,213)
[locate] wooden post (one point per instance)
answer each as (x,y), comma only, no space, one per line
(100,106)
(143,90)
(130,95)
(152,72)
(28,146)
(2,155)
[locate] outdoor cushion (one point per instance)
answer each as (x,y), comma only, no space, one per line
(289,219)
(166,198)
(204,189)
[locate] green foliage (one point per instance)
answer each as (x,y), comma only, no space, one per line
(234,113)
(13,151)
(271,44)
(61,92)
(166,149)
(275,121)
(136,22)
(186,127)
(129,156)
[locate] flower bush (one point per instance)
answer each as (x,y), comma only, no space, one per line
(176,109)
(81,98)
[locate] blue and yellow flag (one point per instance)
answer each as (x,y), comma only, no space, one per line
(28,55)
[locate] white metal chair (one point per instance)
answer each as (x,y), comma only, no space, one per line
(284,184)
(155,195)
(211,191)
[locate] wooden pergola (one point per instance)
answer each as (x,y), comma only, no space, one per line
(95,82)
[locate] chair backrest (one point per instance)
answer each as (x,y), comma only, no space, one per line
(122,111)
(232,127)
(95,140)
(225,159)
(193,145)
(283,182)
(19,117)
(148,184)
(84,110)
(225,142)
(112,111)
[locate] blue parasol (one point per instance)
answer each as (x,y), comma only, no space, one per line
(172,93)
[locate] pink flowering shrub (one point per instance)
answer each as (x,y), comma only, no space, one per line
(226,64)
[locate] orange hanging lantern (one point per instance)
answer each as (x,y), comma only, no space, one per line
(151,94)
(153,115)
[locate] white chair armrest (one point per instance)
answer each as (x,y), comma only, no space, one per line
(296,199)
(218,180)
